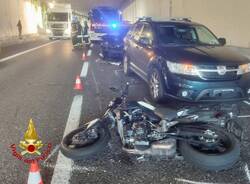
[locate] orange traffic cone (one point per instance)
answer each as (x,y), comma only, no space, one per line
(78,84)
(34,174)
(83,56)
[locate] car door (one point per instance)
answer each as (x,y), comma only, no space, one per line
(145,52)
(133,43)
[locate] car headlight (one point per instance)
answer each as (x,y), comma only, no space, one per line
(245,68)
(180,68)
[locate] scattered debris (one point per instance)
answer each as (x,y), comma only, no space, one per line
(194,182)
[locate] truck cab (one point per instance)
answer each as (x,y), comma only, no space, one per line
(103,20)
(59,21)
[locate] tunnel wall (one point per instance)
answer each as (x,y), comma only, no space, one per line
(13,10)
(226,18)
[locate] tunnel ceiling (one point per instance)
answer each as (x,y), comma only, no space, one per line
(85,5)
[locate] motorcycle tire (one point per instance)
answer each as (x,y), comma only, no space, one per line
(212,161)
(84,152)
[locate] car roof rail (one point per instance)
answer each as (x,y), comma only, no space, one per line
(186,19)
(145,18)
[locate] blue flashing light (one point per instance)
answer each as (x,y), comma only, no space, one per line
(114,25)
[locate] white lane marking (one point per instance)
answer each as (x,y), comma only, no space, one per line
(74,168)
(97,91)
(26,51)
(84,71)
(247,172)
(244,116)
(63,168)
(52,152)
(194,182)
(89,53)
(91,45)
(246,102)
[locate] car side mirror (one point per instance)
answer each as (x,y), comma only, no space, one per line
(222,41)
(144,41)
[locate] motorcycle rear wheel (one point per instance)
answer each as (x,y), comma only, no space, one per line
(85,148)
(211,160)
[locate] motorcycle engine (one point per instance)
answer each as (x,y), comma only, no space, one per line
(141,130)
(135,130)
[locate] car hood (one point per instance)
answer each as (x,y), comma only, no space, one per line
(203,55)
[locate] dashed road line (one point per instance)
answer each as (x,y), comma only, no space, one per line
(26,51)
(84,71)
(247,172)
(63,167)
(89,53)
(195,182)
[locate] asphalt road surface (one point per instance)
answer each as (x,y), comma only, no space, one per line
(39,84)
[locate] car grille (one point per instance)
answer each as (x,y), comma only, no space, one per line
(212,73)
(57,33)
(57,26)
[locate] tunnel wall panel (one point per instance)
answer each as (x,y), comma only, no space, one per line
(226,18)
(13,10)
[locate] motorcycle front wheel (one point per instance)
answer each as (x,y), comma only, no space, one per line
(84,143)
(221,157)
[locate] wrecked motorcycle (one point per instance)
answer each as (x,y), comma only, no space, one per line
(208,137)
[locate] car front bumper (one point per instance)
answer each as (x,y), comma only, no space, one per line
(197,91)
(113,51)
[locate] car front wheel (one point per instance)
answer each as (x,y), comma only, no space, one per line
(156,86)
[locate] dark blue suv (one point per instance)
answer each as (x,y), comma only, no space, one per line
(185,60)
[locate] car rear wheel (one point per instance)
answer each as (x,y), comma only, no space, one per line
(126,65)
(156,86)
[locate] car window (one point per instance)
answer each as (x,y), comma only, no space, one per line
(206,36)
(173,34)
(147,32)
(185,34)
(131,31)
(137,32)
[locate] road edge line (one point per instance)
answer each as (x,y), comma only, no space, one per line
(25,52)
(62,176)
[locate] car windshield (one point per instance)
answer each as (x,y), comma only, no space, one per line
(100,15)
(58,17)
(186,34)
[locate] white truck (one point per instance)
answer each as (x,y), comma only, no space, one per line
(59,19)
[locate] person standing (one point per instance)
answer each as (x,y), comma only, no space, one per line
(85,32)
(19,27)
